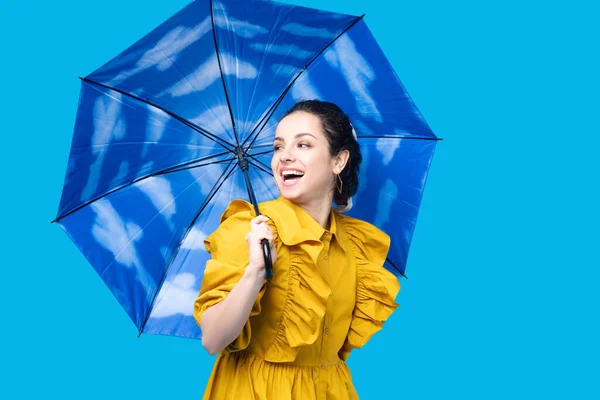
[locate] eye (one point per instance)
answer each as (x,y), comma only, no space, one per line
(303,145)
(276,147)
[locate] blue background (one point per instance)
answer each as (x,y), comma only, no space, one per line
(502,298)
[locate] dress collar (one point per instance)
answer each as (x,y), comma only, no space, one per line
(295,225)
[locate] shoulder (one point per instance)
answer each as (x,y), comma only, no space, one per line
(360,228)
(234,224)
(366,239)
(239,210)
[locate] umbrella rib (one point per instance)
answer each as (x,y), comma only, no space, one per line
(212,18)
(161,172)
(220,181)
(223,143)
(194,166)
(267,116)
(259,154)
(261,166)
(397,137)
(396,268)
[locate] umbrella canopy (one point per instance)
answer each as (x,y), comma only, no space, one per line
(161,130)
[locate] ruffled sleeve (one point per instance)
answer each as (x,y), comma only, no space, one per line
(229,257)
(376,287)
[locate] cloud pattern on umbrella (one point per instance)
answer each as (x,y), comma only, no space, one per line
(155,132)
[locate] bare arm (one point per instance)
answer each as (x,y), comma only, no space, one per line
(222,323)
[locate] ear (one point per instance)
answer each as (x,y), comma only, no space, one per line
(340,161)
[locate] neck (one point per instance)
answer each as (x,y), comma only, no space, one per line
(320,212)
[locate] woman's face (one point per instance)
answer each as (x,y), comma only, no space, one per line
(302,165)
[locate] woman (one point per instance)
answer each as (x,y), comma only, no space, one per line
(288,338)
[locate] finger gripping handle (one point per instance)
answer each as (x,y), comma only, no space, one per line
(267,255)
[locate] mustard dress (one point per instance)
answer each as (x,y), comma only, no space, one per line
(330,293)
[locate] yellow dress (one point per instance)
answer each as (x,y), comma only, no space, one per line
(330,293)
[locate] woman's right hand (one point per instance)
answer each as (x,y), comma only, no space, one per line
(259,230)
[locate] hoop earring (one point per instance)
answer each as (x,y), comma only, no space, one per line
(339,186)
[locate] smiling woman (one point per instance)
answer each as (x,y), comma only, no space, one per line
(288,338)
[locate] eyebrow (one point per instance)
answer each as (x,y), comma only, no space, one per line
(298,135)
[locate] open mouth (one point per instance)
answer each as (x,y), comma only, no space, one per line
(291,176)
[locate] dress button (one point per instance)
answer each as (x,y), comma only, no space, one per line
(323,366)
(327,331)
(325,257)
(330,293)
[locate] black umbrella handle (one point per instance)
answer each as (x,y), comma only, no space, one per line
(243,163)
(268,259)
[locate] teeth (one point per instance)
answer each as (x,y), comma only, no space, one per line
(286,173)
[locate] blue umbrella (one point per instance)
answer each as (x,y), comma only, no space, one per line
(172,129)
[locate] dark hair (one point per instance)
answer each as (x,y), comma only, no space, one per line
(338,131)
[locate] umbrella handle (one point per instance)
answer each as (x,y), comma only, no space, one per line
(243,163)
(268,262)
